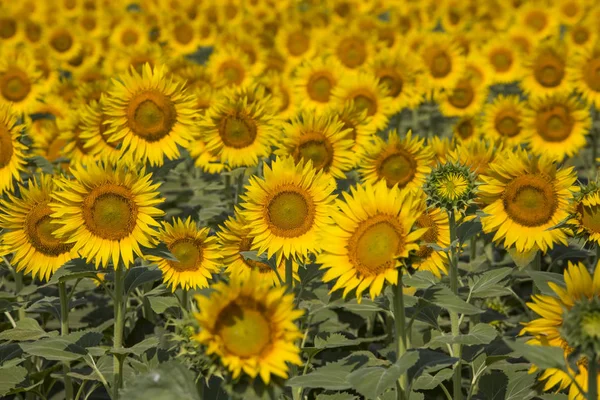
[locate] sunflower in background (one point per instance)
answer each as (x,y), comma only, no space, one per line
(314,82)
(476,154)
(357,125)
(443,61)
(350,46)
(584,73)
(538,19)
(12,151)
(581,36)
(19,79)
(435,220)
(502,60)
(585,213)
(466,129)
(440,147)
(94,131)
(464,98)
(231,65)
(546,70)
(503,119)
(296,43)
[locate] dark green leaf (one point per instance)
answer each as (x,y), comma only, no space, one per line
(543,356)
(161,250)
(467,230)
(74,269)
(332,376)
(26,329)
(444,298)
(421,280)
(337,396)
(482,282)
(541,279)
(42,163)
(11,377)
(493,386)
(428,382)
(144,345)
(479,334)
(428,360)
(334,340)
(160,304)
(63,348)
(140,275)
(520,386)
(170,380)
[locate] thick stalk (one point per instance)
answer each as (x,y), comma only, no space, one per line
(473,248)
(536,265)
(594,137)
(593,378)
(185,302)
(597,255)
(400,331)
(289,273)
(18,288)
(454,321)
(64,330)
(118,330)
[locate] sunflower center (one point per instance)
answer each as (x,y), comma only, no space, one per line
(554,124)
(590,218)
(15,85)
(570,9)
(8,27)
(465,128)
(39,227)
(352,52)
(245,245)
(298,43)
(61,41)
(317,148)
(365,101)
(110,212)
(549,70)
(430,236)
(244,330)
(398,168)
(184,33)
(33,31)
(237,131)
(188,254)
(440,64)
(502,60)
(462,95)
(151,115)
(374,245)
(392,82)
(6,146)
(507,124)
(129,37)
(530,200)
(289,212)
(536,20)
(319,87)
(580,34)
(591,74)
(232,72)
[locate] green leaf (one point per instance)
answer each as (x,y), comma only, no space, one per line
(332,376)
(144,345)
(63,348)
(483,282)
(140,275)
(73,269)
(493,386)
(334,340)
(42,163)
(171,380)
(543,357)
(11,377)
(443,297)
(371,382)
(520,386)
(428,382)
(467,230)
(554,396)
(479,334)
(161,250)
(541,279)
(160,304)
(336,396)
(366,305)
(421,280)
(26,329)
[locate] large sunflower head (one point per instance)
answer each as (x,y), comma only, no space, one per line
(373,231)
(107,211)
(556,126)
(12,151)
(503,119)
(288,209)
(435,220)
(235,238)
(546,70)
(400,162)
(29,230)
(314,81)
(320,139)
(249,325)
(150,114)
(197,253)
(451,186)
(524,196)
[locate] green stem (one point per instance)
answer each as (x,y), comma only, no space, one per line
(400,325)
(289,272)
(454,321)
(597,254)
(594,138)
(473,248)
(118,332)
(18,288)
(185,302)
(593,378)
(536,265)
(64,330)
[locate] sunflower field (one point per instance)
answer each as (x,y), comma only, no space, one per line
(299,199)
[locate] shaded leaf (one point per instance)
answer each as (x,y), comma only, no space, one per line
(26,329)
(11,377)
(146,344)
(483,282)
(479,334)
(428,381)
(493,386)
(332,376)
(160,304)
(541,279)
(543,356)
(170,380)
(467,230)
(139,276)
(443,297)
(520,386)
(421,280)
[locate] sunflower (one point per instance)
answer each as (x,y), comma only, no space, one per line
(150,114)
(521,39)
(372,232)
(282,95)
(197,253)
(444,64)
(464,98)
(77,149)
(63,40)
(476,154)
(503,119)
(120,61)
(207,160)
(29,230)
(314,82)
(581,36)
(295,42)
(351,47)
(440,147)
(107,212)
(435,220)
(235,238)
(93,131)
(250,326)
(571,11)
(548,329)
(556,126)
(12,28)
(12,151)
(585,215)
(466,129)
(538,19)
(181,34)
(584,73)
(525,196)
(129,33)
(19,80)
(546,70)
(451,186)
(503,59)
(320,139)
(231,65)
(288,209)
(400,162)
(356,122)
(237,129)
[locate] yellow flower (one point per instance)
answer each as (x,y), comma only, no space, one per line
(584,73)
(435,220)
(107,211)
(19,80)
(545,70)
(476,154)
(29,230)
(129,33)
(503,60)
(586,214)
(314,82)
(444,64)
(524,197)
(181,34)
(503,119)
(63,39)
(12,151)
(372,232)
(466,129)
(351,46)
(356,123)
(197,253)
(464,98)
(249,325)
(288,209)
(538,19)
(230,64)
(295,42)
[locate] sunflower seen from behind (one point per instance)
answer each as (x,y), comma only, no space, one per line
(373,230)
(288,209)
(249,326)
(150,114)
(197,253)
(12,151)
(524,196)
(29,230)
(107,211)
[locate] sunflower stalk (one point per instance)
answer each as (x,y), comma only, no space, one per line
(118,330)
(536,265)
(454,320)
(593,378)
(64,330)
(289,273)
(400,325)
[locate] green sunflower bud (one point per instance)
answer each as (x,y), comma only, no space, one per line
(451,186)
(581,326)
